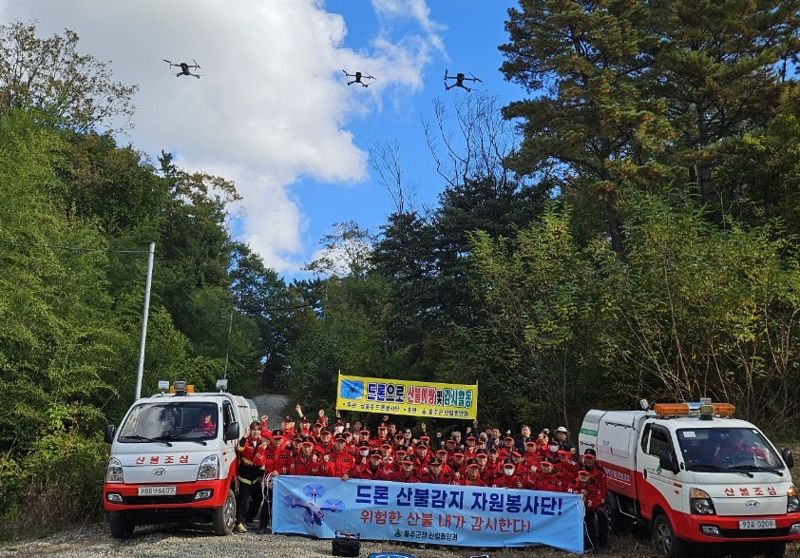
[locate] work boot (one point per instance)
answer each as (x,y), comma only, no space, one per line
(240,528)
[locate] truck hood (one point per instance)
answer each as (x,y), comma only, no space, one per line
(148,463)
(735,494)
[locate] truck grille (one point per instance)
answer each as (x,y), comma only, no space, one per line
(150,500)
(766,533)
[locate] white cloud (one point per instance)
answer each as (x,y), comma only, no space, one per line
(270,107)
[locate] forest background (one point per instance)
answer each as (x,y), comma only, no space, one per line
(628,230)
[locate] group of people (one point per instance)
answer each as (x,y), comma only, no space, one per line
(472,458)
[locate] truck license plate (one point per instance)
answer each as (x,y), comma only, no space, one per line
(750,524)
(165,491)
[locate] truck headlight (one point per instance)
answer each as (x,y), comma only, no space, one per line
(114,471)
(700,502)
(792,502)
(209,468)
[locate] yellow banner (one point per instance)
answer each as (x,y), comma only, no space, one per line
(403,397)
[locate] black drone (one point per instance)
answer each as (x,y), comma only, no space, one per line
(358,77)
(185,68)
(460,79)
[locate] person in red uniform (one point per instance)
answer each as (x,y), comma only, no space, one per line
(370,468)
(531,456)
(435,473)
(273,455)
(363,438)
(487,471)
(383,435)
(249,474)
(470,450)
(421,455)
(565,466)
(207,425)
(471,476)
(398,440)
(458,463)
(594,497)
(548,479)
(596,472)
(389,465)
(305,463)
(407,473)
(287,427)
(338,428)
(506,448)
(386,449)
(350,443)
(325,444)
(340,461)
(305,427)
(509,477)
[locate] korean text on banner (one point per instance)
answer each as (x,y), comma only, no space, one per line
(405,397)
(427,513)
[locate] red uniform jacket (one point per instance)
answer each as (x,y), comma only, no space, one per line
(340,463)
(514,481)
(445,476)
(552,482)
(464,481)
(365,471)
(400,476)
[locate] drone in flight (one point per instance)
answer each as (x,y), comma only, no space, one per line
(460,79)
(184,66)
(358,77)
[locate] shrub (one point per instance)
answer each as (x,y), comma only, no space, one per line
(59,481)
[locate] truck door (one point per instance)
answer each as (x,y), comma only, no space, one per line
(659,484)
(229,453)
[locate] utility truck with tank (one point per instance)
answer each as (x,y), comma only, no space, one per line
(174,457)
(700,479)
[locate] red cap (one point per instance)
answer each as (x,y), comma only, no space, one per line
(364,431)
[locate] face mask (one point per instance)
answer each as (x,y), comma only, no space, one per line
(338,429)
(508,472)
(363,453)
(553,449)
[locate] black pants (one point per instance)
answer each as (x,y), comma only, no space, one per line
(596,523)
(256,496)
(266,509)
(246,492)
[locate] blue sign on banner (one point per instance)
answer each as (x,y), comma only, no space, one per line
(429,513)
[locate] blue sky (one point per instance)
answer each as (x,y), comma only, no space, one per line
(272,111)
(472,31)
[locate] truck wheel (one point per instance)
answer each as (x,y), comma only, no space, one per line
(665,541)
(223,519)
(775,550)
(122,525)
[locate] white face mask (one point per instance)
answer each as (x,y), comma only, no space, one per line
(508,472)
(338,429)
(363,453)
(554,448)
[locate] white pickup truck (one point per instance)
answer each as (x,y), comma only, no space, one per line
(167,463)
(700,479)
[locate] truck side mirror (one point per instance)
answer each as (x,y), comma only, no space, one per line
(232,432)
(788,458)
(667,461)
(110,428)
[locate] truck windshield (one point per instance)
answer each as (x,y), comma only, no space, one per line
(170,421)
(727,449)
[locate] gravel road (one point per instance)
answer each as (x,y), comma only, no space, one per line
(182,542)
(176,542)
